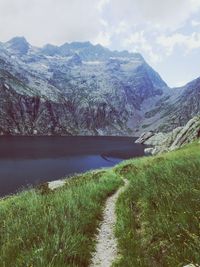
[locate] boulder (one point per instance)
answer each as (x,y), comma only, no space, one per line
(56,184)
(188,133)
(163,142)
(144,137)
(148,151)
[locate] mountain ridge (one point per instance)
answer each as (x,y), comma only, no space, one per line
(85,89)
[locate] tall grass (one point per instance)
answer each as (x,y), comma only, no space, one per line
(54,229)
(158,221)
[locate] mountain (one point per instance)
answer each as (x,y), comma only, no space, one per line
(84,89)
(18,45)
(175,109)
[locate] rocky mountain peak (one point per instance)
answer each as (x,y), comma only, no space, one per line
(50,50)
(19,45)
(79,45)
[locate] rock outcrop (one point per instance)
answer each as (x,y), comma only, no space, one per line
(151,138)
(162,142)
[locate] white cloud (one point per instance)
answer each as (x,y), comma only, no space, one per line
(136,39)
(122,27)
(138,43)
(189,42)
(195,4)
(195,23)
(103,38)
(43,21)
(168,14)
(101,4)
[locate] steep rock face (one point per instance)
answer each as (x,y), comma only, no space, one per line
(184,107)
(170,141)
(75,89)
(27,115)
(174,109)
(33,115)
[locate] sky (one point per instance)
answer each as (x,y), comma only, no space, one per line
(165,32)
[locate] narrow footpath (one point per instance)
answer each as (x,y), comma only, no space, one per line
(106,247)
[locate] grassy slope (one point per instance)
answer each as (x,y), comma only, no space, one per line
(54,229)
(159,215)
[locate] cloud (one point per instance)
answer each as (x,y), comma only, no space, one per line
(195,23)
(43,21)
(50,21)
(121,28)
(189,42)
(137,42)
(195,4)
(101,4)
(161,14)
(103,38)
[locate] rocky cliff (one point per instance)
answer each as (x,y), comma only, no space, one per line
(85,89)
(163,142)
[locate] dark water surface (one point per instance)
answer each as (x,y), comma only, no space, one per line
(26,161)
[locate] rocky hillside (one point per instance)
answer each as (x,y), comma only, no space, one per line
(163,142)
(175,110)
(85,89)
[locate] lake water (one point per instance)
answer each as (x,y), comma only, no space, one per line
(26,161)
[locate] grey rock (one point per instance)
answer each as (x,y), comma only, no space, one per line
(149,151)
(145,138)
(150,138)
(56,184)
(170,141)
(189,133)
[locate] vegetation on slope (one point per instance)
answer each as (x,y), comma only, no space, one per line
(57,228)
(159,215)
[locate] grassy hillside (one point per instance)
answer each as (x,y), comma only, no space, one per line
(54,229)
(159,215)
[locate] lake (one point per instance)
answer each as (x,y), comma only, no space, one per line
(29,161)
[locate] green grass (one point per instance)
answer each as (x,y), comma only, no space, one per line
(158,217)
(57,228)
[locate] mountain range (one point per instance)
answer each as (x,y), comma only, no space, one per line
(84,89)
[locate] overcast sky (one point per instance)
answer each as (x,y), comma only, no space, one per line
(165,32)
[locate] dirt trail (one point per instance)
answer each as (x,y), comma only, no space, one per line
(106,248)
